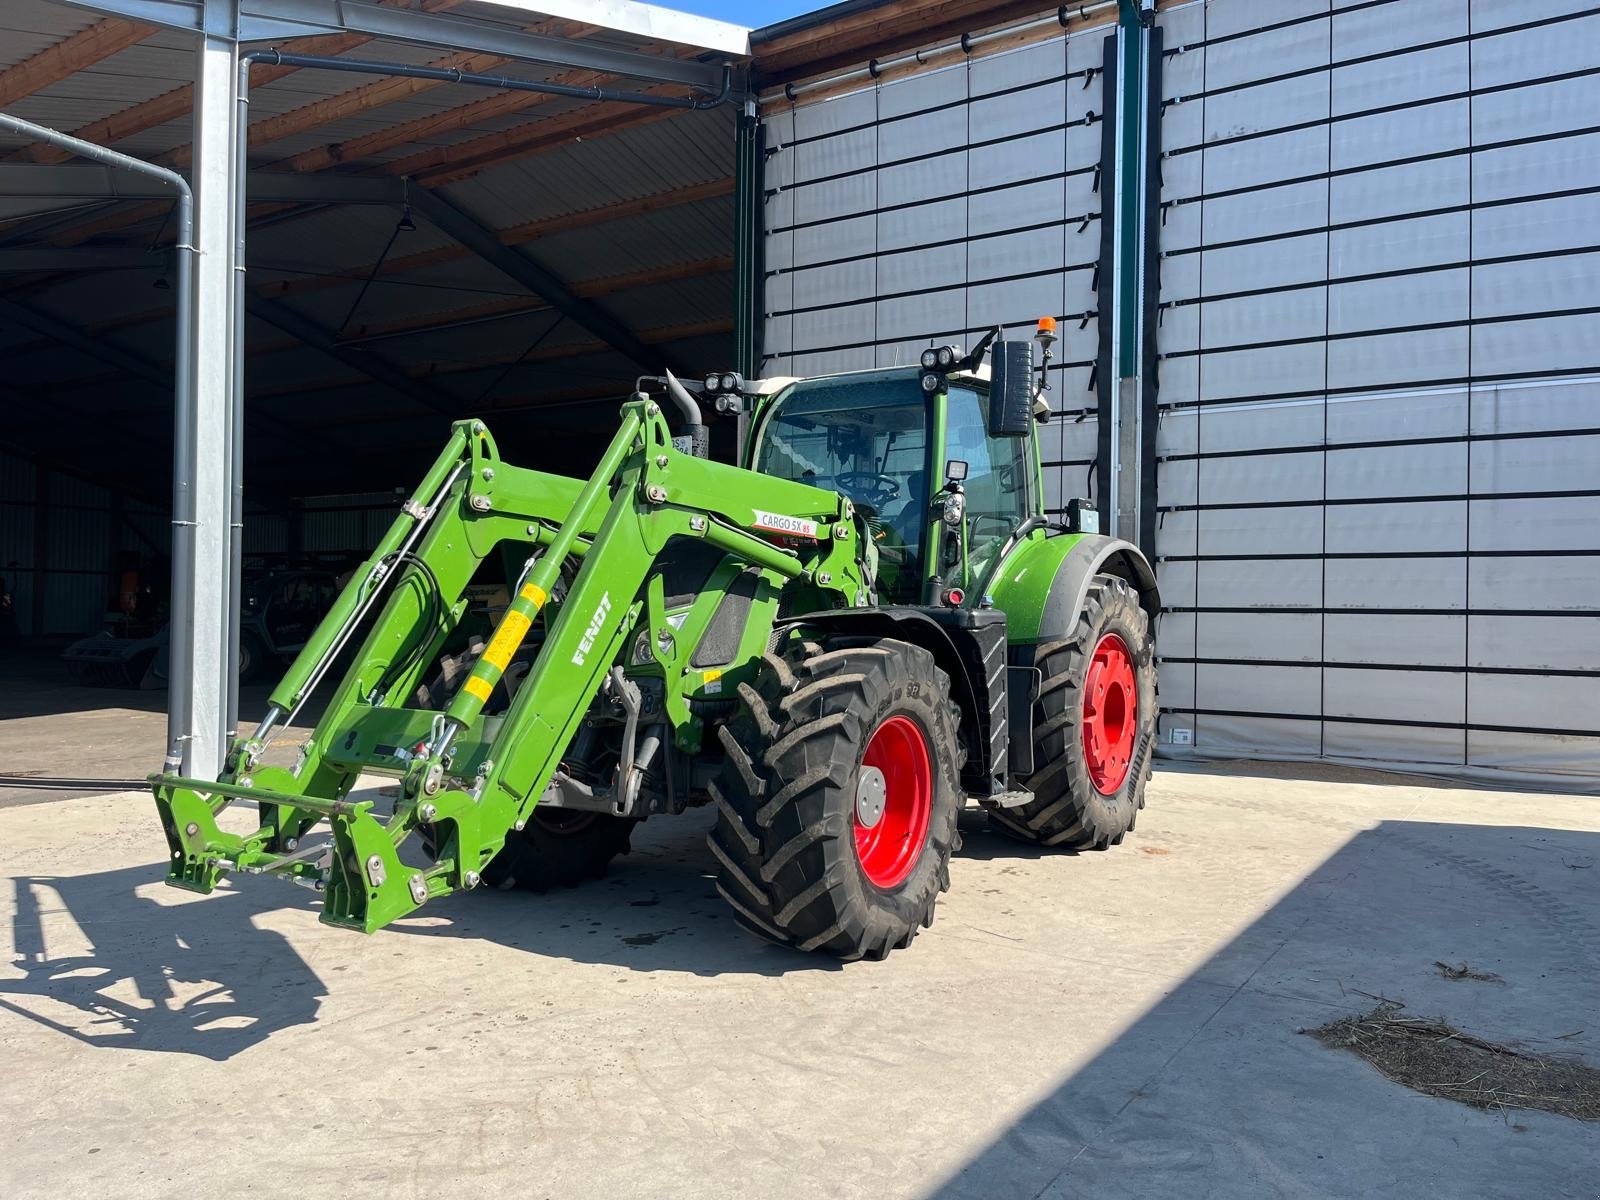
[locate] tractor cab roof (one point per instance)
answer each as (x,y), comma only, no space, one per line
(772,385)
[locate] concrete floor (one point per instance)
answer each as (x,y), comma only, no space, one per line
(1117,1024)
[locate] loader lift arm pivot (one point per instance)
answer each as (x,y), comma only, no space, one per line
(474,778)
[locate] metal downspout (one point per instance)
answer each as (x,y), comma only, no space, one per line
(180,714)
(1133,19)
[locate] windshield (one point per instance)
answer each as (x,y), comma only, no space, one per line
(866,438)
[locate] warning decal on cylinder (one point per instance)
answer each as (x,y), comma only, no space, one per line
(506,640)
(779,523)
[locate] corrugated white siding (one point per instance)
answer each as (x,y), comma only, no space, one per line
(925,210)
(1380,382)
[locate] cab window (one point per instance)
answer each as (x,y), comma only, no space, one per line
(867,440)
(998,475)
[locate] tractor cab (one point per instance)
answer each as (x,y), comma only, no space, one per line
(913,450)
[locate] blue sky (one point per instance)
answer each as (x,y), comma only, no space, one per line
(752,13)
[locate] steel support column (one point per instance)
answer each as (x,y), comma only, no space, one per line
(206,653)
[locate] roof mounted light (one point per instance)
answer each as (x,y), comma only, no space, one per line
(724,383)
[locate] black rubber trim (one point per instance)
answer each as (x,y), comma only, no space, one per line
(1384,165)
(966,194)
(1313,610)
(1392,722)
(941,244)
(1385,444)
(1389,331)
(1013,90)
(1371,276)
(1404,385)
(885,164)
(1368,222)
(1351,501)
(1429,668)
(1304,19)
(1316,555)
(1360,60)
(924,291)
(1409,106)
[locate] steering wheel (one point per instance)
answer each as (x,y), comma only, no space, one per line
(869,487)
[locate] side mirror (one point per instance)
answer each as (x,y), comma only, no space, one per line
(1011,389)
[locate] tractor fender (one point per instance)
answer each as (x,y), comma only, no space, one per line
(957,638)
(1042,586)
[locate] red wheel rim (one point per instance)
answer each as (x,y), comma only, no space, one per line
(1110,713)
(889,846)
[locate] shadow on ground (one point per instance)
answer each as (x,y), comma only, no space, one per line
(102,964)
(1213,1090)
(1218,1089)
(115,959)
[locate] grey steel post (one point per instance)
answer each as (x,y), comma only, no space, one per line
(215,180)
(180,712)
(236,264)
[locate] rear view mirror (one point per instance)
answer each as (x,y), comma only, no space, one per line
(1011,389)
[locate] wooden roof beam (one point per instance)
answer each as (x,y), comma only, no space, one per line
(382,91)
(179,102)
(69,56)
(464,116)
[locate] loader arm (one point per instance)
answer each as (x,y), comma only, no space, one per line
(474,778)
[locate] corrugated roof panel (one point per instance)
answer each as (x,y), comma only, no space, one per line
(682,302)
(685,149)
(30,26)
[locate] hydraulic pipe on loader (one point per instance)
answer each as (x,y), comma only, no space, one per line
(301,679)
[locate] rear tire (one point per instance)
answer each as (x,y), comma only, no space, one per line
(806,856)
(1091,770)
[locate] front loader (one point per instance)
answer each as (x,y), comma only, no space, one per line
(838,644)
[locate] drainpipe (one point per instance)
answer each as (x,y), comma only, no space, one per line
(179,701)
(1131,382)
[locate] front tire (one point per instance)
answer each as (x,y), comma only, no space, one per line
(1094,724)
(559,847)
(837,801)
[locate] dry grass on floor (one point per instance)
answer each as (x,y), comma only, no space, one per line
(1429,1056)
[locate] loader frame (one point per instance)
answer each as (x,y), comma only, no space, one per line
(471,779)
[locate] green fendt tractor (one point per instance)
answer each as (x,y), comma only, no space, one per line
(838,645)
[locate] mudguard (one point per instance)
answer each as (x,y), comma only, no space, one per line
(1042,583)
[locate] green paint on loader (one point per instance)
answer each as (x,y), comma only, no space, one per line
(838,644)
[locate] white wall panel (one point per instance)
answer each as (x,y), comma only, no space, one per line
(930,207)
(1438,380)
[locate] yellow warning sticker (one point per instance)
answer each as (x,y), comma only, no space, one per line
(713,682)
(478,687)
(506,640)
(535,593)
